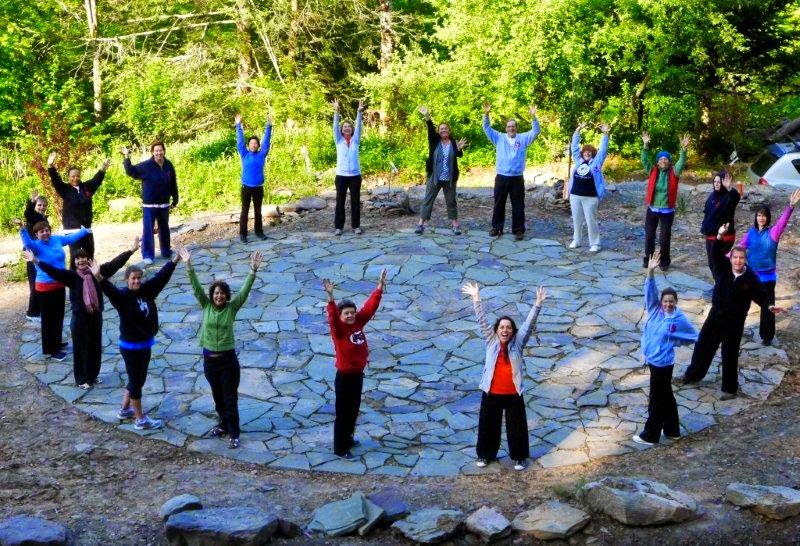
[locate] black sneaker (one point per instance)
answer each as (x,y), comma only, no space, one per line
(63,345)
(234,443)
(494,232)
(520,235)
(59,355)
(420,229)
(218,432)
(347,456)
(727,395)
(261,236)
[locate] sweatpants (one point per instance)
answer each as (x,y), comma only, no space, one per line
(151,216)
(490,421)
(87,332)
(348,403)
(256,194)
(766,327)
(431,191)
(505,187)
(136,363)
(344,183)
(718,329)
(222,373)
(662,410)
(33,300)
(651,222)
(51,307)
(584,211)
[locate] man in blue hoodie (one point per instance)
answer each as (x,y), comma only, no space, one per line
(511,149)
(253,155)
(159,195)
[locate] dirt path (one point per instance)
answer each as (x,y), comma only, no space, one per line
(111,494)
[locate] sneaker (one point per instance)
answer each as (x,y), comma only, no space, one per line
(594,248)
(147,261)
(727,395)
(520,465)
(125,413)
(218,432)
(146,423)
(243,239)
(457,230)
(85,386)
(234,443)
(664,268)
(33,318)
(481,463)
(420,229)
(261,236)
(494,232)
(59,355)
(97,381)
(678,437)
(347,456)
(518,236)
(573,245)
(63,344)
(766,342)
(337,232)
(639,440)
(358,231)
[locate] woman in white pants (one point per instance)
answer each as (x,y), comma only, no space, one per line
(587,187)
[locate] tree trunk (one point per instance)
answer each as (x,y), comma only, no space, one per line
(387,51)
(294,30)
(243,47)
(97,75)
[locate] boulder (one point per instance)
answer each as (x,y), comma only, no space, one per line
(288,529)
(236,526)
(488,523)
(550,520)
(311,203)
(430,526)
(31,531)
(390,499)
(178,504)
(343,517)
(287,208)
(771,501)
(638,502)
(270,211)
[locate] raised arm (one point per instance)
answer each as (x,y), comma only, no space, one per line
(72,238)
(110,268)
(526,329)
(492,134)
(684,332)
(575,144)
(777,230)
(359,122)
(265,142)
(529,136)
(334,320)
(155,285)
(27,241)
(241,296)
(337,131)
(681,163)
(473,291)
(130,169)
(600,158)
(96,181)
(201,296)
(647,163)
(370,306)
(61,275)
(651,300)
(240,144)
(56,181)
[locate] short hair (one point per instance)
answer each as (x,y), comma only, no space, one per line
(73,168)
(254,137)
(739,248)
(41,198)
(131,269)
(589,148)
(226,289)
(157,143)
(344,304)
(40,225)
(669,291)
(80,253)
(514,328)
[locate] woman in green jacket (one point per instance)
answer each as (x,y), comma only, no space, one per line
(220,365)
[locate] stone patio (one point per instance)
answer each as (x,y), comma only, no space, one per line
(586,389)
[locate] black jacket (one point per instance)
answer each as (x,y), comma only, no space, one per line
(77,209)
(719,210)
(732,297)
(433,141)
(32,217)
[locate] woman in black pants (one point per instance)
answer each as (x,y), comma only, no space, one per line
(348,169)
(720,209)
(35,212)
(138,325)
(86,299)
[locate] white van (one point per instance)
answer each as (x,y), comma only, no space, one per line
(778,165)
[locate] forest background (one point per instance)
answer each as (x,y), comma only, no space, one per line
(84,78)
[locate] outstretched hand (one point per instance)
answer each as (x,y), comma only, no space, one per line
(604,128)
(461,144)
(685,141)
(487,107)
(382,280)
(360,105)
(794,198)
(723,229)
(472,290)
(532,111)
(335,104)
(541,295)
(237,119)
(94,267)
(135,245)
(653,262)
(424,111)
(727,181)
(51,159)
(28,256)
(328,286)
(646,138)
(34,195)
(106,164)
(581,126)
(183,252)
(125,151)
(17,222)
(255,260)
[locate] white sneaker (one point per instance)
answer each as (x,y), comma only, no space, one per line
(358,231)
(573,245)
(337,232)
(594,248)
(481,463)
(639,440)
(147,261)
(520,465)
(146,423)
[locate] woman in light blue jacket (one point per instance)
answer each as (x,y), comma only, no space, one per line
(501,382)
(587,187)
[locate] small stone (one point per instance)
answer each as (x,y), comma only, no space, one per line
(774,502)
(240,525)
(31,531)
(551,520)
(180,503)
(339,518)
(84,448)
(488,523)
(430,525)
(311,203)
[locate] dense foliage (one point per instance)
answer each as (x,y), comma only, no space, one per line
(725,71)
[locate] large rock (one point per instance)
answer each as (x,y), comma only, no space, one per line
(31,531)
(488,523)
(772,501)
(237,526)
(346,516)
(551,520)
(392,502)
(178,504)
(430,526)
(639,502)
(311,203)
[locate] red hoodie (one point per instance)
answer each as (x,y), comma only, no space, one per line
(349,341)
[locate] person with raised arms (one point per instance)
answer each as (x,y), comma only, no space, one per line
(348,169)
(35,212)
(511,148)
(719,211)
(665,327)
(254,156)
(138,326)
(587,187)
(352,353)
(86,301)
(49,248)
(220,364)
(501,382)
(76,210)
(441,169)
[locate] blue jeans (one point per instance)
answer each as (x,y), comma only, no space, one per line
(150,216)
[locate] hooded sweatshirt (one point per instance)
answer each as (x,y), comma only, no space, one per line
(662,331)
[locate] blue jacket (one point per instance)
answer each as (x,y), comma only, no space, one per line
(253,162)
(159,184)
(347,163)
(510,158)
(51,252)
(662,332)
(595,164)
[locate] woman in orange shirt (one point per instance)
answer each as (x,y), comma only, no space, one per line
(501,382)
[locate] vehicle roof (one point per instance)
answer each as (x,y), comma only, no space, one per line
(779,149)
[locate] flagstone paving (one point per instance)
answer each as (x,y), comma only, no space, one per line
(586,389)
